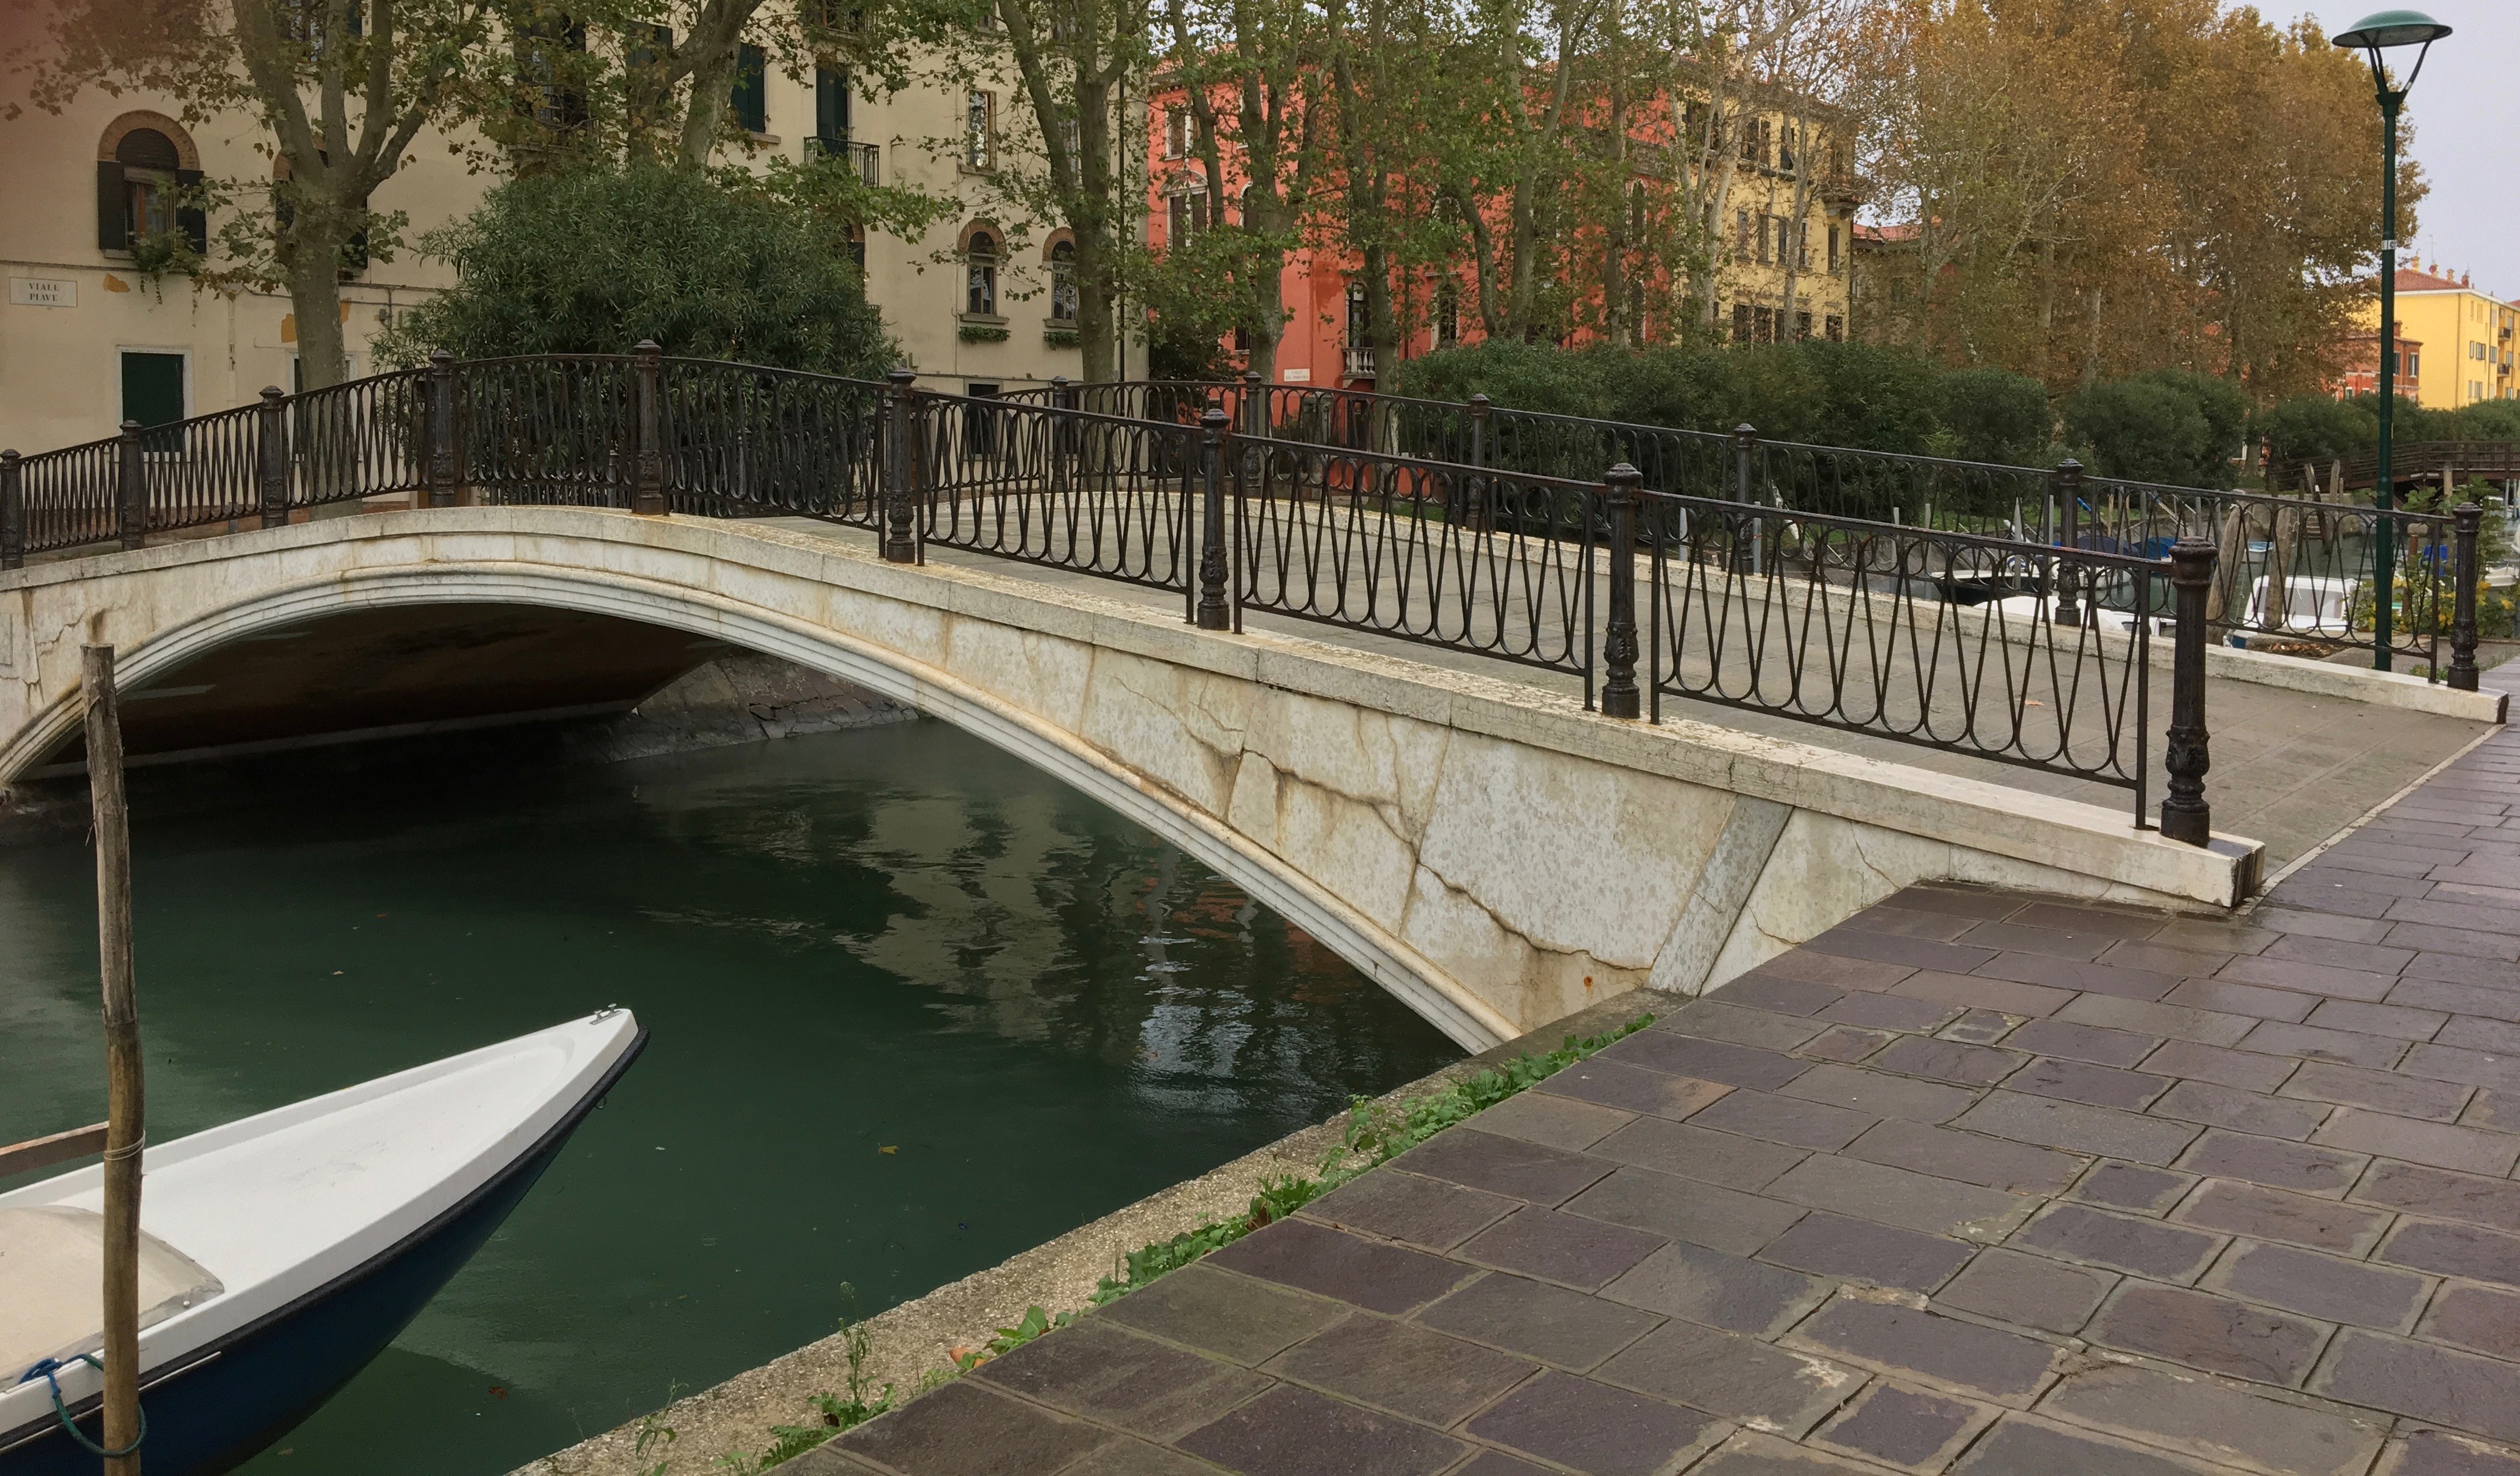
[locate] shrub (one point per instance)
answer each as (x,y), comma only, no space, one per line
(592,261)
(2311,427)
(2161,425)
(1993,415)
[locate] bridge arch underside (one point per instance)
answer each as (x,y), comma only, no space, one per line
(1493,856)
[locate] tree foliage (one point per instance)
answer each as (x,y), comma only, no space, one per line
(2169,426)
(718,266)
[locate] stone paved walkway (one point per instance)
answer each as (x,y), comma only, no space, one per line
(1977,1181)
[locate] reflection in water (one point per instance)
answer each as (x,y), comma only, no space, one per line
(889,939)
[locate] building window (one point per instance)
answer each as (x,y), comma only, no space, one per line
(980,130)
(1836,329)
(139,192)
(1764,221)
(750,100)
(1742,232)
(1185,215)
(1833,249)
(546,47)
(980,420)
(980,258)
(831,108)
(1360,323)
(1175,133)
(1740,323)
(857,250)
(153,393)
(1062,281)
(1448,313)
(1802,325)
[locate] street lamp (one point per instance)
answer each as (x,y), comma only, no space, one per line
(2373,35)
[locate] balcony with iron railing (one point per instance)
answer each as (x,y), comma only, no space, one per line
(1360,361)
(866,159)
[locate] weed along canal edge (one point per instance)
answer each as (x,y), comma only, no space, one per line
(918,1344)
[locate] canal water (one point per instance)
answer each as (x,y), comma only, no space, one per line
(915,1007)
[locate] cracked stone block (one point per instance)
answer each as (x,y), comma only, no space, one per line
(2210,1332)
(1632,1088)
(2030,1290)
(1970,1158)
(2435,1452)
(1539,1321)
(2218,1107)
(1904,1340)
(2477,1317)
(2461,1390)
(1708,1286)
(2146,1247)
(2250,1209)
(2455,1250)
(2273,1161)
(2442,1195)
(1858,1250)
(2084,1082)
(1899,1196)
(2323,1286)
(2216,1421)
(1970,1065)
(1906,1427)
(1731,1376)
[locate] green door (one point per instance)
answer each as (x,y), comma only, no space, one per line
(153,393)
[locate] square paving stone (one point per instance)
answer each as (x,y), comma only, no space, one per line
(1674,1147)
(2442,1195)
(2018,1447)
(1783,1119)
(2452,1249)
(2380,1090)
(2030,1290)
(1594,1428)
(1720,1020)
(2271,1161)
(1877,1093)
(2399,1020)
(1685,1281)
(1632,1088)
(1950,1060)
(1761,991)
(2206,1027)
(1685,1209)
(2476,1068)
(966,1429)
(2435,1452)
(2125,1186)
(2076,1128)
(2216,1421)
(2244,1069)
(1295,1432)
(1903,1340)
(2251,1209)
(1099,1369)
(1402,1368)
(2322,1286)
(2083,1043)
(2461,1390)
(1980,1027)
(1561,1121)
(1906,1427)
(1232,1316)
(1858,1250)
(1970,992)
(1705,1060)
(2480,1318)
(1890,1012)
(1539,1321)
(2146,1247)
(1554,1247)
(1121,1457)
(2084,1082)
(1531,1170)
(2472,1150)
(1731,1376)
(1845,1043)
(2210,1332)
(2218,1106)
(1366,1274)
(1403,1206)
(1997,1163)
(2314,1042)
(1899,1196)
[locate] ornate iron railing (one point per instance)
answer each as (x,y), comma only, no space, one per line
(1702,580)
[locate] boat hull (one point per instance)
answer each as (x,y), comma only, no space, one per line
(211,1410)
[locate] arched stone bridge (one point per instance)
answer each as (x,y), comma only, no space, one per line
(1489,852)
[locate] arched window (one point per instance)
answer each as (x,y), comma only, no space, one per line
(143,168)
(981,256)
(1062,281)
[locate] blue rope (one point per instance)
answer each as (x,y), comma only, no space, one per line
(49,1370)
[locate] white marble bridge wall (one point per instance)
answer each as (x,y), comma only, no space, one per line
(1492,854)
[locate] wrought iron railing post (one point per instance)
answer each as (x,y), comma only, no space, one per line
(13,512)
(1255,405)
(648,414)
(1619,694)
(441,429)
(1745,450)
(1475,514)
(2185,815)
(2068,481)
(271,457)
(130,489)
(2467,519)
(1213,613)
(900,541)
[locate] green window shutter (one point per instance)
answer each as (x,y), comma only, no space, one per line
(193,220)
(153,393)
(113,211)
(831,105)
(751,96)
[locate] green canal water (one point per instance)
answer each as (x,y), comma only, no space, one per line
(915,1007)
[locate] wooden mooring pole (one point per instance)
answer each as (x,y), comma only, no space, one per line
(125,1118)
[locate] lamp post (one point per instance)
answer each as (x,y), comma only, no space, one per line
(2373,35)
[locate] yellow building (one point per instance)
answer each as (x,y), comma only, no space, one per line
(87,339)
(2468,338)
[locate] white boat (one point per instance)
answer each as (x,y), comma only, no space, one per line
(281,1252)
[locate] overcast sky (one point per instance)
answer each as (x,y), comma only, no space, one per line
(2466,114)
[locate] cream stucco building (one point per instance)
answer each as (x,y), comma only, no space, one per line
(87,338)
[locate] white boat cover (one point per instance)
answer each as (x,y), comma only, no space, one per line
(52,1278)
